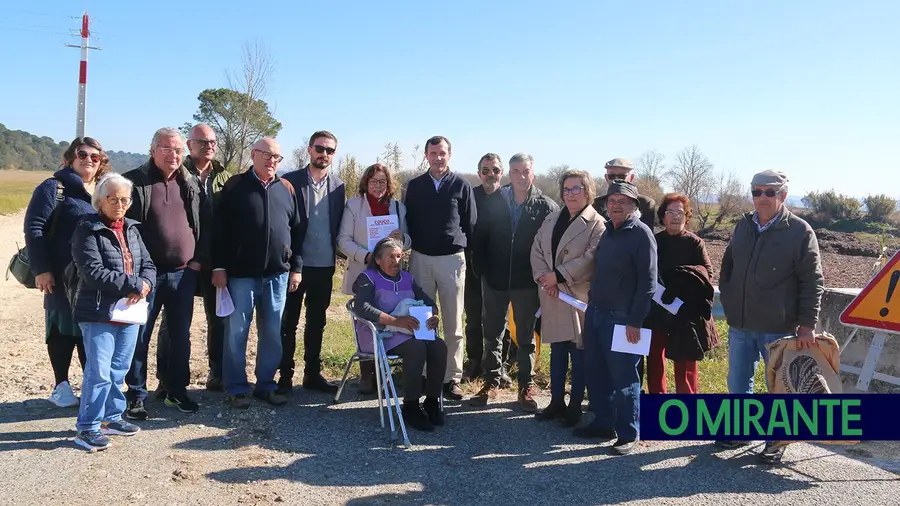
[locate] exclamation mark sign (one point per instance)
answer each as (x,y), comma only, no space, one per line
(895,277)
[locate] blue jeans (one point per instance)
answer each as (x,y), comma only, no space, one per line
(744,349)
(559,366)
(267,295)
(613,377)
(108,348)
(174,291)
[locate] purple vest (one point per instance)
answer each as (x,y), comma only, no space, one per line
(387,296)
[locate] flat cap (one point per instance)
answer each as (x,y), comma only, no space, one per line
(622,188)
(769,178)
(622,163)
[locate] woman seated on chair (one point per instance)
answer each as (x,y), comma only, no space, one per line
(379,289)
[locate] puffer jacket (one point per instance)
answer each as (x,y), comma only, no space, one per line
(102,281)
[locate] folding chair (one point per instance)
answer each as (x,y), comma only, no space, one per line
(384,381)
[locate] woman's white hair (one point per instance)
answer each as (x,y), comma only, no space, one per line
(110,181)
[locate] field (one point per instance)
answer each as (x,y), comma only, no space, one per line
(16,187)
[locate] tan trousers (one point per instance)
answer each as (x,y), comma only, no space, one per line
(443,278)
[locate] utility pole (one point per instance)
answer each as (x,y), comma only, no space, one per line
(82,73)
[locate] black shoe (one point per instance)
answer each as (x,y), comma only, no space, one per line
(452,391)
(432,408)
(183,403)
(317,382)
(285,385)
(556,409)
(772,453)
(136,411)
(731,445)
(214,383)
(592,432)
(573,415)
(624,447)
(415,418)
(161,393)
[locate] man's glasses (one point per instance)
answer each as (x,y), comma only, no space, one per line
(114,201)
(487,171)
(575,190)
(206,142)
(768,193)
(169,151)
(95,157)
(378,182)
(615,177)
(270,156)
(322,149)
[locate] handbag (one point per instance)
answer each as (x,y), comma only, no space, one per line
(20,263)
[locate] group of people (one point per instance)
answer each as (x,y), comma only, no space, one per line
(180,226)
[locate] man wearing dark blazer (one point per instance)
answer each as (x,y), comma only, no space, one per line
(320,197)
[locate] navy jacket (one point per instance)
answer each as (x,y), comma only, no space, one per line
(257,228)
(440,222)
(625,271)
(336,200)
(54,254)
(101,268)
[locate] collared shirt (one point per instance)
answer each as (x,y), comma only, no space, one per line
(318,187)
(761,227)
(515,208)
(437,182)
(264,183)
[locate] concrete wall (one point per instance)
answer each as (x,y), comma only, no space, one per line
(833,303)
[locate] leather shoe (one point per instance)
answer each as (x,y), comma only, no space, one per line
(592,432)
(319,383)
(452,391)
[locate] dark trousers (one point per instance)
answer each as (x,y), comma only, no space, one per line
(472,305)
(174,295)
(60,348)
(315,287)
(215,332)
(416,355)
(612,377)
(525,304)
(559,367)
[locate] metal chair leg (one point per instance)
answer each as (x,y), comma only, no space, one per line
(353,359)
(391,390)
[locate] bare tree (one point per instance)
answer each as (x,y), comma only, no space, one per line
(350,171)
(651,168)
(300,157)
(692,174)
(549,184)
(392,157)
(731,200)
(257,68)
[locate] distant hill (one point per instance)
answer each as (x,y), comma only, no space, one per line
(25,151)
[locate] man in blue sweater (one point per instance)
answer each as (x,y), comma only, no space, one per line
(440,213)
(256,255)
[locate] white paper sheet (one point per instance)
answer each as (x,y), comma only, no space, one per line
(657,297)
(422,313)
(620,342)
(379,227)
(133,314)
(572,301)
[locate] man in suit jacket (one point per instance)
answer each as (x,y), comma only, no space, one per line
(320,199)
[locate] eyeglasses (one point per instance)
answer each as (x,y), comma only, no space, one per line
(616,177)
(378,182)
(95,157)
(114,201)
(675,214)
(769,193)
(575,190)
(322,149)
(206,142)
(169,151)
(487,171)
(270,156)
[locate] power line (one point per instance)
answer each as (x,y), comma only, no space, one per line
(33,13)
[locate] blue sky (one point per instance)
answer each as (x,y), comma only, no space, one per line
(809,87)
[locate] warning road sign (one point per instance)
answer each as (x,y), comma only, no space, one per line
(878,305)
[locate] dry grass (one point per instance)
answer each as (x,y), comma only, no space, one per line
(16,187)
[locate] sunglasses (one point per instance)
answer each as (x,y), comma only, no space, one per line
(323,149)
(616,177)
(95,157)
(769,193)
(488,171)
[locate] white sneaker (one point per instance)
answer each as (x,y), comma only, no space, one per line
(63,396)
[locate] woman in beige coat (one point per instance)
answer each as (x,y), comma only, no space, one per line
(562,261)
(376,191)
